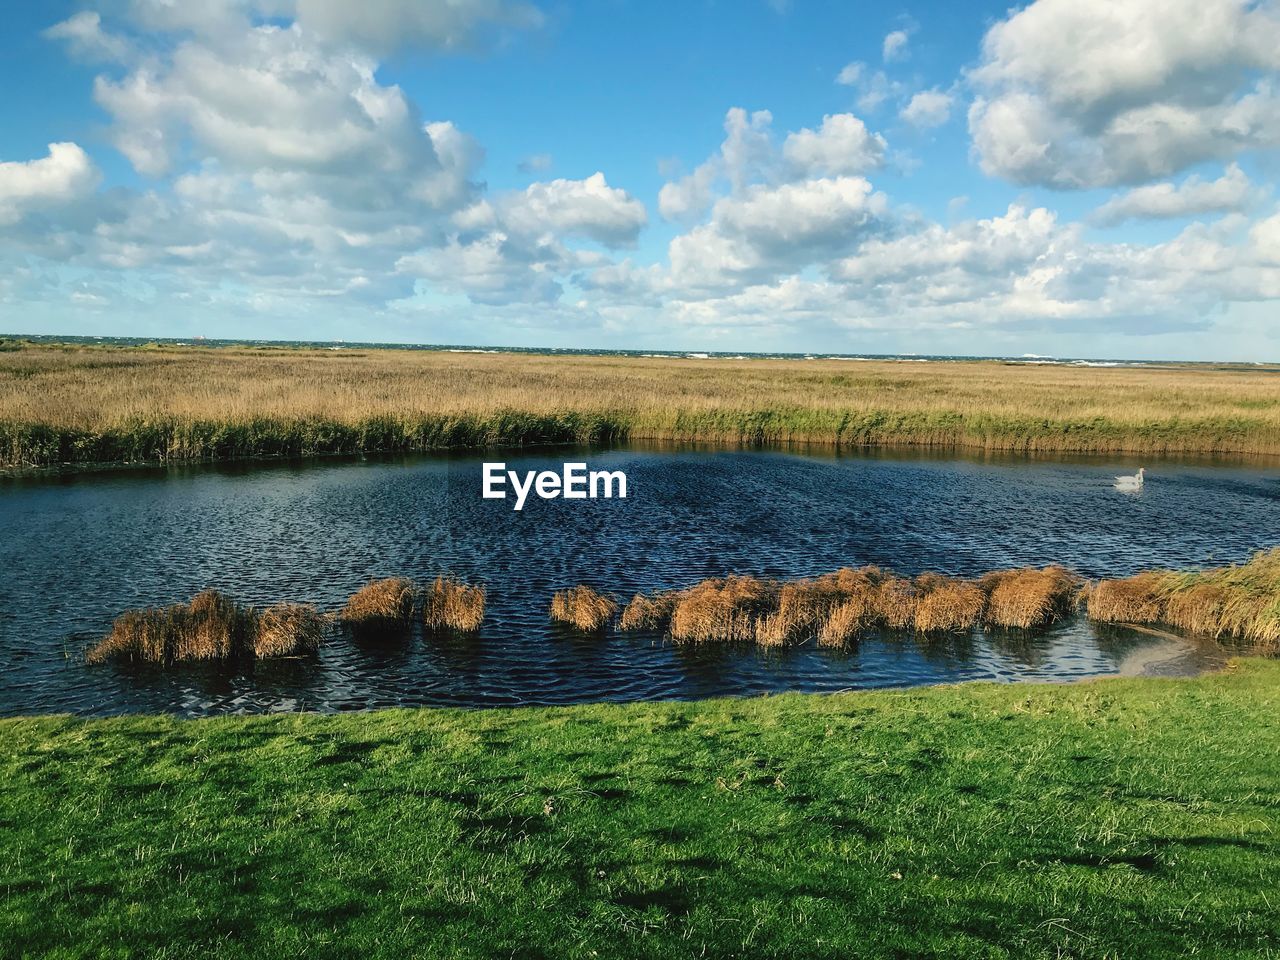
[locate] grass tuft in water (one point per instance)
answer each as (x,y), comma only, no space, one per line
(1026,598)
(449,604)
(834,608)
(380,608)
(649,611)
(210,627)
(1240,602)
(947,605)
(583,608)
(288,630)
(725,608)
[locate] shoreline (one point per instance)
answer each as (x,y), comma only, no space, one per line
(904,452)
(30,447)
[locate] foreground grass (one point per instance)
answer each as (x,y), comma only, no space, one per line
(1115,818)
(64,404)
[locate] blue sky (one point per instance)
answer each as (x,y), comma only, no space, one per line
(1071,177)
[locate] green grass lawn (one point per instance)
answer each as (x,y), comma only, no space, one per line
(1118,818)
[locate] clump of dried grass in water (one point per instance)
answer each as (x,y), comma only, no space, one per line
(288,630)
(845,622)
(896,600)
(1027,597)
(803,607)
(722,609)
(380,607)
(210,627)
(583,607)
(1134,599)
(650,611)
(450,604)
(858,609)
(946,605)
(1240,602)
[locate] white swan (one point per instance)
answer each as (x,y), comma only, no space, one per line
(1131,483)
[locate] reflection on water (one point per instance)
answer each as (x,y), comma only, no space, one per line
(77,549)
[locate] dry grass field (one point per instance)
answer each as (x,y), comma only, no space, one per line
(72,404)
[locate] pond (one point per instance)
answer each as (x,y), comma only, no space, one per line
(77,549)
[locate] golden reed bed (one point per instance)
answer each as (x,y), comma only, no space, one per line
(210,627)
(835,607)
(84,404)
(214,627)
(1239,603)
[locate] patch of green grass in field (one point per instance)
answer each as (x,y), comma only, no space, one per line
(1114,818)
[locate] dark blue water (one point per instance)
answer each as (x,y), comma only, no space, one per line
(76,550)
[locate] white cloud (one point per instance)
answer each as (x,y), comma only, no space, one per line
(64,176)
(895,46)
(746,153)
(928,108)
(1086,93)
(383,25)
(270,100)
(1264,237)
(1193,197)
(511,249)
(851,74)
(86,39)
(764,231)
(589,209)
(283,166)
(842,145)
(873,88)
(689,197)
(958,256)
(284,173)
(372,26)
(490,270)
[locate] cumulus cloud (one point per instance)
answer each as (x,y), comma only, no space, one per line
(746,153)
(873,87)
(589,209)
(1193,197)
(383,25)
(842,145)
(1088,93)
(84,36)
(928,108)
(279,158)
(373,26)
(895,46)
(491,269)
(764,232)
(270,100)
(26,187)
(513,249)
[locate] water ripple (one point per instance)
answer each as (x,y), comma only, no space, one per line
(78,549)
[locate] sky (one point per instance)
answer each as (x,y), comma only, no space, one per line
(1076,178)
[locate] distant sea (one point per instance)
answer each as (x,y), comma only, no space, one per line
(567,351)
